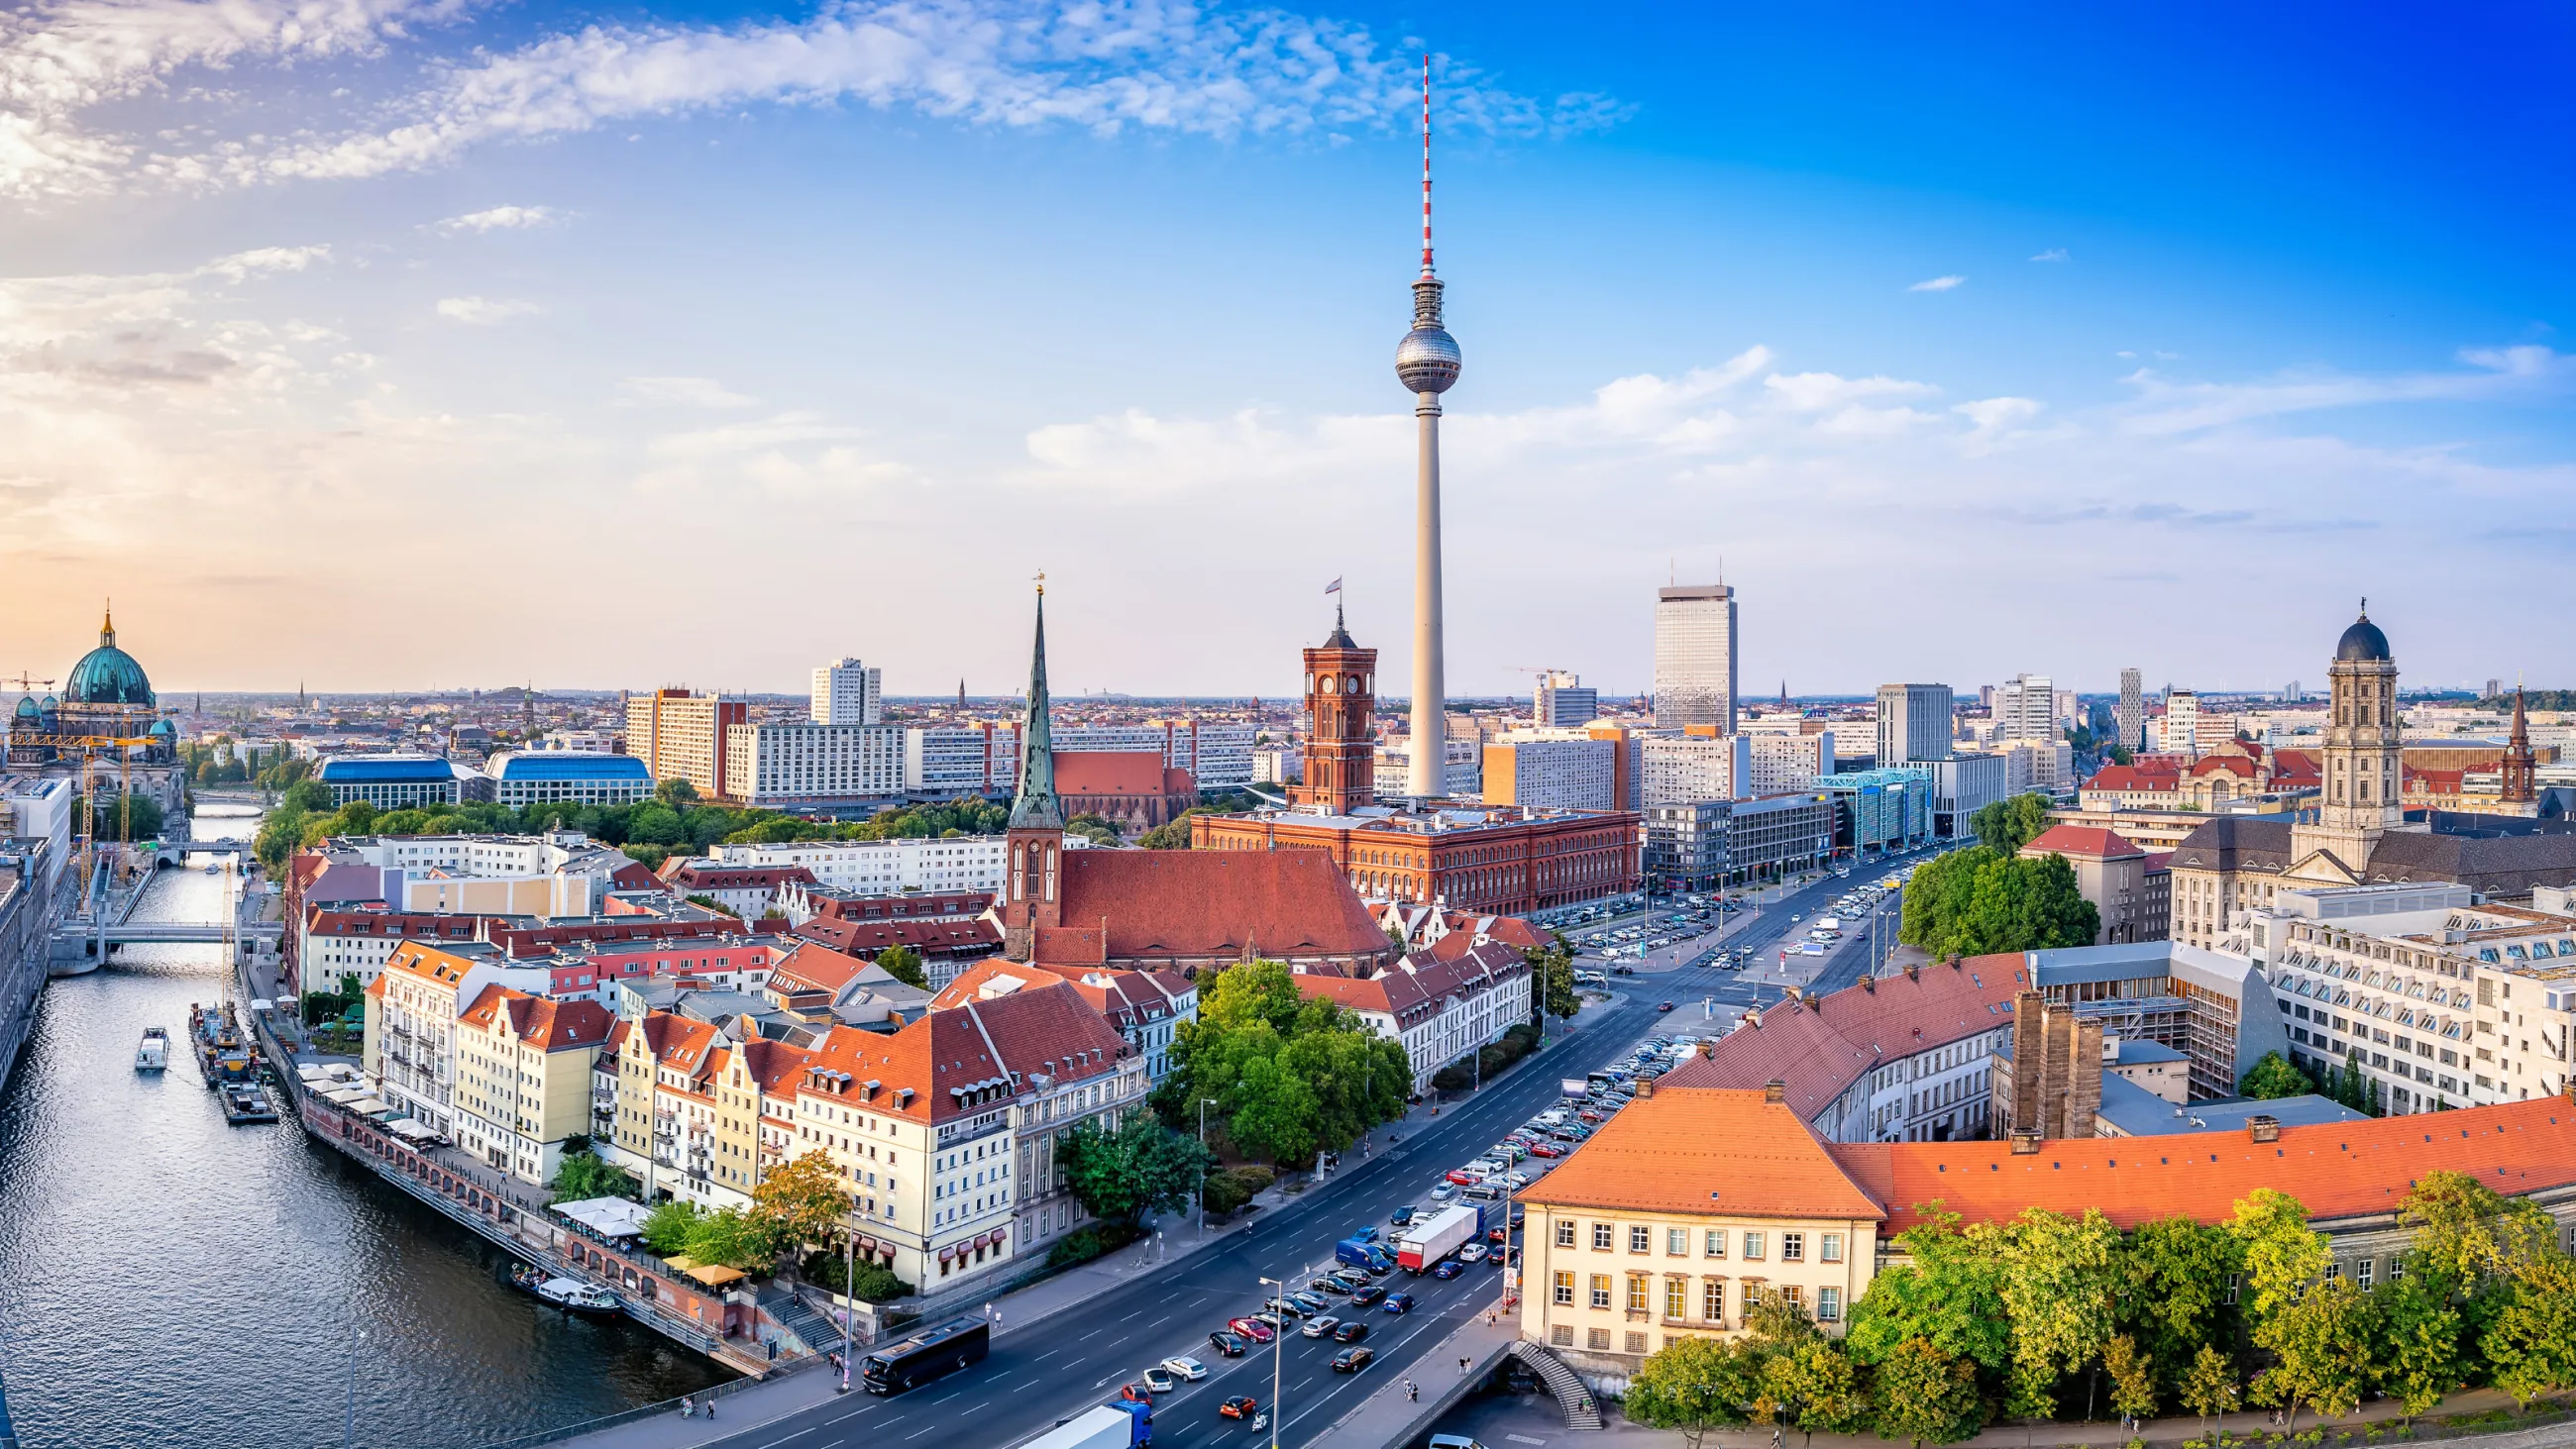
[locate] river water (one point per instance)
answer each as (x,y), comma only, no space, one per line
(166,1279)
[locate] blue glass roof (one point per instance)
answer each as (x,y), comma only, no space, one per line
(565,765)
(386,769)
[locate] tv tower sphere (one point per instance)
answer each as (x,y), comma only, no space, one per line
(1427,359)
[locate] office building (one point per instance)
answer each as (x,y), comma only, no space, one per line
(1678,769)
(2129,886)
(1560,701)
(2183,725)
(1216,755)
(533,777)
(1555,770)
(1914,723)
(2026,709)
(1695,657)
(1771,836)
(1461,776)
(2129,721)
(846,693)
(777,765)
(684,736)
(881,867)
(398,782)
(1686,844)
(1879,810)
(2047,766)
(1785,762)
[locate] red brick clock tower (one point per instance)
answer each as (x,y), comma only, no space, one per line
(1341,696)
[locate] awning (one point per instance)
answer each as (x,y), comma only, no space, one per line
(416,1131)
(610,1217)
(682,1263)
(716,1275)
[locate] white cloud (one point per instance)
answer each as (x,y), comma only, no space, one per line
(687,392)
(498,218)
(789,455)
(2165,406)
(482,311)
(1937,284)
(2053,254)
(1817,391)
(1144,66)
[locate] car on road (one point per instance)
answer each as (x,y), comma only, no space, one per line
(1351,1360)
(1667,1006)
(1399,1303)
(1498,1236)
(1443,1191)
(1159,1380)
(1367,1296)
(1227,1345)
(1319,1325)
(1448,1268)
(1400,1217)
(1472,1253)
(1241,1406)
(1182,1366)
(1254,1329)
(1350,1331)
(1308,1303)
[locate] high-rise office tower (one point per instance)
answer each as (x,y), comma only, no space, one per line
(1560,700)
(1427,363)
(2026,709)
(2131,717)
(846,693)
(2182,723)
(1913,723)
(1695,657)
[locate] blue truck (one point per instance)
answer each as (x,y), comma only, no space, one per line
(1361,1253)
(1118,1424)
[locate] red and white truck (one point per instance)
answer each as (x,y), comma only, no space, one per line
(1437,1236)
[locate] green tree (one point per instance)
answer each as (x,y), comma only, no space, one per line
(2133,1378)
(1925,1396)
(583,1175)
(1694,1384)
(2282,1255)
(2057,1287)
(2530,1339)
(1948,1293)
(1121,1174)
(1170,835)
(802,1200)
(2007,825)
(1097,829)
(2323,1345)
(1981,900)
(120,817)
(670,1225)
(2173,1274)
(306,795)
(903,964)
(1291,1076)
(2466,1231)
(677,793)
(734,1238)
(2272,1077)
(1811,1386)
(657,824)
(2210,1389)
(1552,980)
(2420,1356)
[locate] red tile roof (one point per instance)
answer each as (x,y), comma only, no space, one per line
(2091,841)
(1822,1046)
(961,1061)
(1108,772)
(1201,903)
(2134,778)
(1706,1151)
(2338,1169)
(930,938)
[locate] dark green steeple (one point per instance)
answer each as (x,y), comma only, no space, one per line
(1034,806)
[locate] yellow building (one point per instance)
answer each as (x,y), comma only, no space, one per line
(1690,1206)
(755,1116)
(523,1076)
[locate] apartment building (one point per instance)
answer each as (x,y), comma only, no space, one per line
(1556,770)
(1915,723)
(1441,1006)
(1146,1008)
(1679,769)
(523,1078)
(408,1047)
(684,736)
(946,761)
(847,692)
(881,867)
(778,765)
(1782,762)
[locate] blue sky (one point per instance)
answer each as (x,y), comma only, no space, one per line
(393,343)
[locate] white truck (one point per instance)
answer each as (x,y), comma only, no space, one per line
(1122,1425)
(1828,923)
(1432,1239)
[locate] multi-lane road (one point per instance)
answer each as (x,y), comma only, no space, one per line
(1041,1374)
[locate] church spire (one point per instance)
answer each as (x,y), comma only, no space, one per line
(1034,805)
(2521,768)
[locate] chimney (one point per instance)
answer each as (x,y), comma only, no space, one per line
(1645,1087)
(1775,1090)
(2263,1128)
(1913,971)
(2025,1142)
(1869,984)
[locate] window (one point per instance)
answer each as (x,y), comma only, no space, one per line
(1601,1237)
(1562,1335)
(1636,1293)
(1712,1299)
(1600,1290)
(1677,1242)
(1796,1295)
(2361,1273)
(1565,1232)
(1793,1247)
(2334,1271)
(1636,1343)
(1565,1288)
(1717,1242)
(1752,1247)
(1597,1339)
(1829,1305)
(1830,1248)
(1752,1295)
(2234,1280)
(1677,1298)
(1640,1238)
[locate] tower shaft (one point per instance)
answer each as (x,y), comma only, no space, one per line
(1428,775)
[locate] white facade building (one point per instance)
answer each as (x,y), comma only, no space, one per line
(1217,755)
(2026,709)
(1462,772)
(1914,723)
(773,764)
(2182,724)
(1559,700)
(1783,763)
(1685,769)
(1565,769)
(951,760)
(882,867)
(847,692)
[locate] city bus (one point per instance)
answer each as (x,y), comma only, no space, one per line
(925,1354)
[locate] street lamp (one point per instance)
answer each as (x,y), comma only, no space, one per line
(1277,1341)
(1201,1214)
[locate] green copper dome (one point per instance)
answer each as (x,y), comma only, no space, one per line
(27,707)
(107,674)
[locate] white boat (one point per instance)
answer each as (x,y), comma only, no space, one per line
(153,1054)
(570,1293)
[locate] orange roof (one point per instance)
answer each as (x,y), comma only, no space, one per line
(1701,1150)
(1108,772)
(2091,841)
(2338,1169)
(1822,1046)
(1211,903)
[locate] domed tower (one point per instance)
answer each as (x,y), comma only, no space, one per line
(1427,363)
(108,693)
(2363,795)
(1341,749)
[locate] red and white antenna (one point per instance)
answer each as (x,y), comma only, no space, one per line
(1426,164)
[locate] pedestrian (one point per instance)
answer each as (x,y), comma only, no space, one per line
(1412,1391)
(711,1407)
(1462,1366)
(688,1407)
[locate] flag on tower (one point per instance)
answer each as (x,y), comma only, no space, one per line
(1334,587)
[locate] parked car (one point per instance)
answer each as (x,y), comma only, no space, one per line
(1546,1149)
(1182,1366)
(1442,1191)
(1367,1233)
(1308,1303)
(1227,1345)
(1254,1329)
(1350,1331)
(1351,1360)
(1241,1406)
(1464,1176)
(1401,1217)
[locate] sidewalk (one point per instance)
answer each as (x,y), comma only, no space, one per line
(1392,1417)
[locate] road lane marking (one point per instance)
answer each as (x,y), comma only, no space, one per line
(783,1438)
(917,1433)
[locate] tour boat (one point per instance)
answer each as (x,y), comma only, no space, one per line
(245,1102)
(566,1293)
(154,1053)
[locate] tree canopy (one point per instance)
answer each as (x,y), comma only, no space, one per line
(1291,1076)
(1120,1174)
(2272,1077)
(2008,824)
(1983,900)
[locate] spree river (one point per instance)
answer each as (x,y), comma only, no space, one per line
(166,1279)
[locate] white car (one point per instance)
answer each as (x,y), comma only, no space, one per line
(1182,1366)
(1472,1253)
(1514,1180)
(1318,1327)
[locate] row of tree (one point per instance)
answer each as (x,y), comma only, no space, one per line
(1987,898)
(2028,1318)
(1287,1076)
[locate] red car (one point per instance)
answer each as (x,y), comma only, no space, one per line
(1240,1406)
(1498,1236)
(1254,1329)
(1667,1006)
(1464,1178)
(1545,1149)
